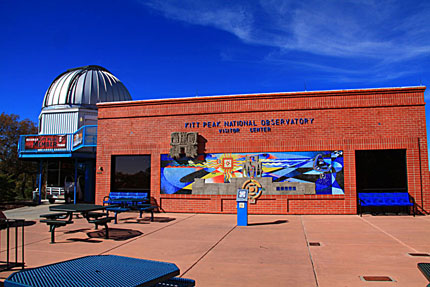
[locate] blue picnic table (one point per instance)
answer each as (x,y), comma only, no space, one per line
(100,270)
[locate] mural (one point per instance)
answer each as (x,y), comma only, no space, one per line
(324,169)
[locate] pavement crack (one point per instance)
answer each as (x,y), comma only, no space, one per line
(209,250)
(309,251)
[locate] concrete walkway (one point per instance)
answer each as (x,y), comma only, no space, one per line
(273,251)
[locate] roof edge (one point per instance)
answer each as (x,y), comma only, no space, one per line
(262,96)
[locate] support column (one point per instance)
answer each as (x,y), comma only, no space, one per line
(40,180)
(76,180)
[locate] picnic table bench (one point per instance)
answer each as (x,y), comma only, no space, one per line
(55,215)
(385,199)
(125,201)
(54,223)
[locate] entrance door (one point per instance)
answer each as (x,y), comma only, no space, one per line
(381,170)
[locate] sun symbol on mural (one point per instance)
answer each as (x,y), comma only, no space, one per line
(226,165)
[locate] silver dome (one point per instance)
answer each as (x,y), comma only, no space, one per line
(85,86)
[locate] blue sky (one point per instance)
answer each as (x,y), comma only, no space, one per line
(165,49)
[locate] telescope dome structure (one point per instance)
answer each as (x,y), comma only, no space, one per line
(84,87)
(71,100)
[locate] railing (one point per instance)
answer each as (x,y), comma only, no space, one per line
(5,233)
(85,137)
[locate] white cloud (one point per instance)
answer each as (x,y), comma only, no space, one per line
(385,32)
(234,19)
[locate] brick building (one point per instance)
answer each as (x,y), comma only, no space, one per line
(297,153)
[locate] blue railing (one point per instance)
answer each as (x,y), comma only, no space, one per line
(85,137)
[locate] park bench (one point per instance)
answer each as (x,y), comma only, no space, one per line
(116,197)
(125,201)
(146,208)
(385,199)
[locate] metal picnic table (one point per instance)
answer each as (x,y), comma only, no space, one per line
(82,208)
(69,209)
(98,270)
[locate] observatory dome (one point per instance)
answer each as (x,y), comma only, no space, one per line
(85,87)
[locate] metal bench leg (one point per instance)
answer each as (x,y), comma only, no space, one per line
(152,216)
(52,230)
(116,217)
(140,211)
(106,231)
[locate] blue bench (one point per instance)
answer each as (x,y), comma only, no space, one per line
(115,195)
(385,199)
(124,201)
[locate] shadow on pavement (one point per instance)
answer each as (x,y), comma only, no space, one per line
(157,219)
(268,223)
(76,231)
(88,240)
(147,219)
(116,234)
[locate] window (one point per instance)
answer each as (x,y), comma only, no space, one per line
(381,170)
(131,173)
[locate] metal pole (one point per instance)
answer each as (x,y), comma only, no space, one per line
(22,246)
(16,241)
(59,173)
(76,179)
(40,181)
(7,244)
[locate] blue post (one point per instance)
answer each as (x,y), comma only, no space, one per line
(242,214)
(40,181)
(76,179)
(242,207)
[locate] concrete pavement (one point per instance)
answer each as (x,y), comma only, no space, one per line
(273,251)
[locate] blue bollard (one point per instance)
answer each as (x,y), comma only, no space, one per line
(242,207)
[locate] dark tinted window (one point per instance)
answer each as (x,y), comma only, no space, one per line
(381,170)
(131,173)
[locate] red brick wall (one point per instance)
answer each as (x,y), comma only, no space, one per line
(343,120)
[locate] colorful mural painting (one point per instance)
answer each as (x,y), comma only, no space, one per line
(322,168)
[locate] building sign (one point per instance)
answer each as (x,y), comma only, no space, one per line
(46,142)
(78,137)
(253,126)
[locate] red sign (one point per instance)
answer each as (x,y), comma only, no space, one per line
(45,142)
